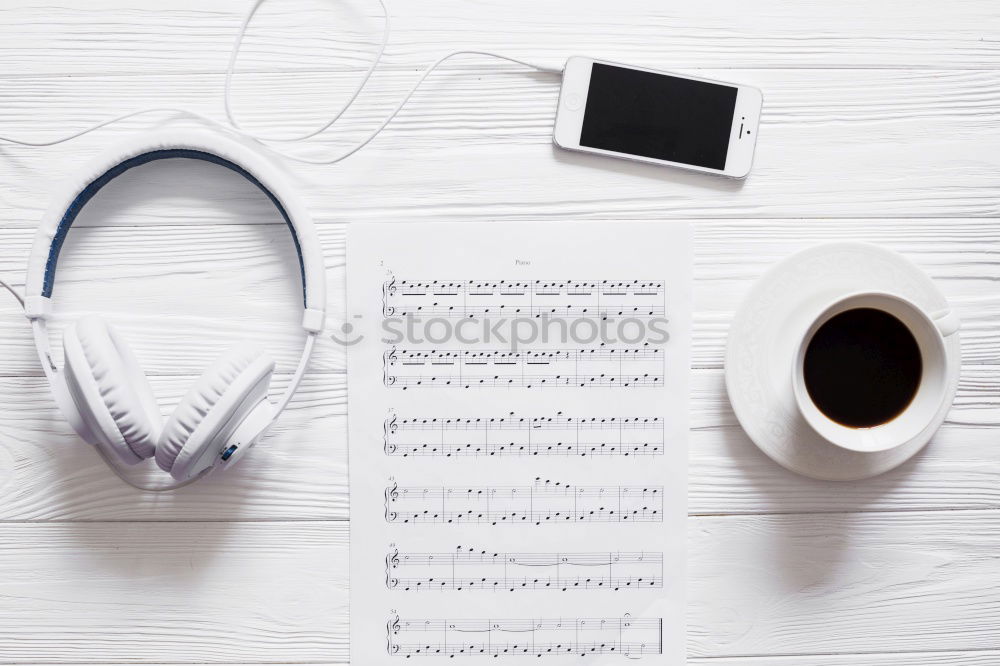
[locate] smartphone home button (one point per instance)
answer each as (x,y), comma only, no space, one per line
(573,101)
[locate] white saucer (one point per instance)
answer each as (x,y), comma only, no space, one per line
(762,343)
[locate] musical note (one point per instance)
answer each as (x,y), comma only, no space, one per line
(537,637)
(513,435)
(469,476)
(607,367)
(544,502)
(601,299)
(470,569)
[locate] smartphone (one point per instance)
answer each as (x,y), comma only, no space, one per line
(657,117)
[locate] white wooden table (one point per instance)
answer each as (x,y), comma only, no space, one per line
(881,122)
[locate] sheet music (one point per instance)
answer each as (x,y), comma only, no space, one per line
(517,396)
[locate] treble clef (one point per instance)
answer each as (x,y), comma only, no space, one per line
(391,631)
(391,562)
(388,291)
(389,430)
(391,495)
(389,358)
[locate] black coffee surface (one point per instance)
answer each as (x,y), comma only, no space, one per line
(862,367)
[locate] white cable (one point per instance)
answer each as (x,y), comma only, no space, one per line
(20,299)
(234,54)
(399,107)
(236,128)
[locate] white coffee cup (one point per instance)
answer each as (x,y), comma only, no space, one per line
(929,330)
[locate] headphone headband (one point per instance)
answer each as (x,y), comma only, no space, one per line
(209,147)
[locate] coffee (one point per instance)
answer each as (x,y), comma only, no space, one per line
(862,367)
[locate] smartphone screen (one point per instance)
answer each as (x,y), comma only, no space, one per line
(658,116)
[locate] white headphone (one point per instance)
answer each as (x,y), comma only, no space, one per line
(101,389)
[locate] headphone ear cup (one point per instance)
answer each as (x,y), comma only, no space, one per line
(110,391)
(215,406)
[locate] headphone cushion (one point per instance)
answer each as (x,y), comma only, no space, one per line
(106,376)
(210,389)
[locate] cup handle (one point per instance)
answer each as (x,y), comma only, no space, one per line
(946,321)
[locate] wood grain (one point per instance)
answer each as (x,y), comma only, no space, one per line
(146,284)
(473,145)
(944,658)
(233,592)
(174,592)
(300,472)
(881,123)
(201,288)
(187,36)
(862,583)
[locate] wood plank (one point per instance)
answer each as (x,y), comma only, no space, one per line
(730,256)
(949,658)
(174,592)
(791,585)
(863,583)
(958,468)
(300,472)
(834,143)
(146,284)
(167,288)
(908,131)
(201,288)
(187,36)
